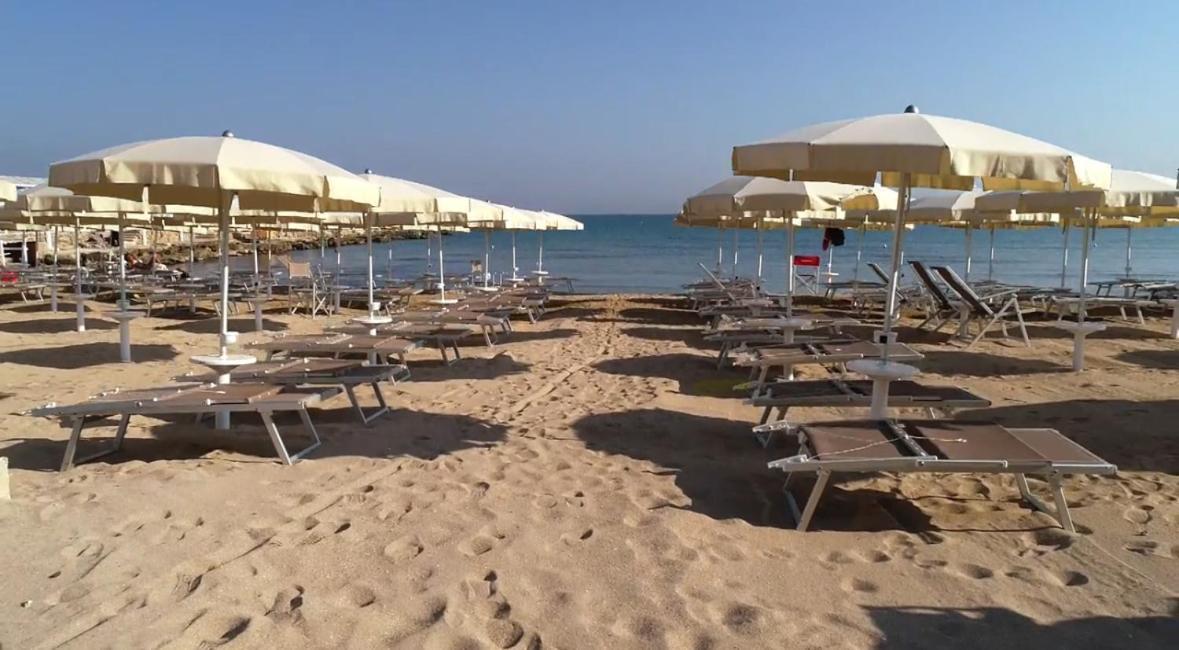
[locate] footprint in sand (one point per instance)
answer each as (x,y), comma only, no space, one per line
(1151,547)
(1070,578)
(1046,540)
(403,549)
(578,537)
(477,545)
(1140,516)
(859,585)
(357,595)
(873,556)
(972,571)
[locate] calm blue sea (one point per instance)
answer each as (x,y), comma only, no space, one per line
(647,253)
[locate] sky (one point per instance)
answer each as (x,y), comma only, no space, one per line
(578,107)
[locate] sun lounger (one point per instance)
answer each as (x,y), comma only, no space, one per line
(836,352)
(190,399)
(940,309)
(769,331)
(348,375)
(978,308)
(335,345)
(846,393)
(1072,304)
(869,446)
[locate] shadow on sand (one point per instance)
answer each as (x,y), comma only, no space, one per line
(213,325)
(722,471)
(1132,435)
(696,374)
(400,433)
(1160,359)
(983,364)
(72,357)
(993,627)
(500,365)
(54,325)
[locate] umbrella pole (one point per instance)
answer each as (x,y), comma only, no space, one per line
(515,276)
(760,224)
(1129,253)
(429,252)
(191,249)
(368,235)
(223,234)
(969,251)
(338,281)
(80,307)
(1064,257)
(736,246)
(322,252)
(486,258)
(859,252)
(991,257)
(258,300)
(898,238)
(1081,329)
(441,269)
(720,248)
(24,249)
(789,265)
(540,252)
(53,282)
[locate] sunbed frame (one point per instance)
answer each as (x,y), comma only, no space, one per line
(849,393)
(348,375)
(190,399)
(869,446)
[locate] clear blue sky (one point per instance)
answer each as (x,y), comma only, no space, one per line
(598,106)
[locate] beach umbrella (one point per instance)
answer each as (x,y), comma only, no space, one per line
(908,150)
(762,195)
(217,172)
(46,201)
(1129,196)
(408,203)
(507,219)
(760,198)
(551,221)
(7,191)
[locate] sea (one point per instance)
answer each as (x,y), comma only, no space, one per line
(645,253)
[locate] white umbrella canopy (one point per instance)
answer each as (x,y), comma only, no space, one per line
(1129,193)
(216,172)
(909,150)
(752,193)
(7,190)
(935,151)
(199,170)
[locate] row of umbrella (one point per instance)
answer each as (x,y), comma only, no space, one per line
(827,168)
(226,181)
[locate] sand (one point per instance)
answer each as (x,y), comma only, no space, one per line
(590,482)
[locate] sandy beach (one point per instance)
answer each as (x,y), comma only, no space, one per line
(589,482)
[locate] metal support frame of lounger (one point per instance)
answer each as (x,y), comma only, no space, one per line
(834,352)
(347,375)
(192,399)
(977,307)
(335,345)
(770,331)
(869,446)
(1060,304)
(848,393)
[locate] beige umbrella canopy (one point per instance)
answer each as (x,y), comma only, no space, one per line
(909,150)
(934,151)
(7,190)
(201,170)
(216,172)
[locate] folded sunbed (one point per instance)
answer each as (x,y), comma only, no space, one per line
(346,374)
(833,352)
(941,446)
(837,392)
(189,399)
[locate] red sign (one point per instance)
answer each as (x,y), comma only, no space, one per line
(806,260)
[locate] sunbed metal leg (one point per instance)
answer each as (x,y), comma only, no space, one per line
(276,438)
(1023,330)
(310,427)
(1061,512)
(813,502)
(369,417)
(70,458)
(67,460)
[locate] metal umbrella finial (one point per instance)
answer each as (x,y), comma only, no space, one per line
(367,170)
(912,108)
(227,133)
